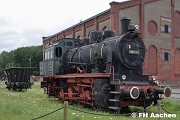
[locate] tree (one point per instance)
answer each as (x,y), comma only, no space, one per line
(21,57)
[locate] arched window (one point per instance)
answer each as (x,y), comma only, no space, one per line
(177,61)
(152,60)
(177,24)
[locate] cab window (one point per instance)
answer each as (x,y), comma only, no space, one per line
(69,43)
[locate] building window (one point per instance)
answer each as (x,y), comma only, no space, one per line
(69,43)
(46,55)
(166,56)
(165,29)
(165,25)
(177,24)
(51,53)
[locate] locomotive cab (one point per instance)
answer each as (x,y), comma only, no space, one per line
(53,56)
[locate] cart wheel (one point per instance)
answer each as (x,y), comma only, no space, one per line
(81,104)
(61,95)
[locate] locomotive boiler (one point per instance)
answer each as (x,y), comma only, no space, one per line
(103,71)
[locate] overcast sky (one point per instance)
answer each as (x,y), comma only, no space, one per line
(25,22)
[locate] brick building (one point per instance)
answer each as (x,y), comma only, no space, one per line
(159,22)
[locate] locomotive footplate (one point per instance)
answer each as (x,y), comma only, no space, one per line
(129,79)
(74,98)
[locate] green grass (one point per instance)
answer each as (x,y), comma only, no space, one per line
(33,103)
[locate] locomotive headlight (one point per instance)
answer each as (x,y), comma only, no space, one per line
(123,77)
(157,82)
(137,27)
(153,78)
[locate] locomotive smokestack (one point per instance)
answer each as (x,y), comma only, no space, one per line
(125,22)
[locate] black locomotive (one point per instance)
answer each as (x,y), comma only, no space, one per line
(103,70)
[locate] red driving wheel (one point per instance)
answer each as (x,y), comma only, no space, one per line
(61,94)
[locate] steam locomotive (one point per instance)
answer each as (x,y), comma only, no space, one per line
(103,70)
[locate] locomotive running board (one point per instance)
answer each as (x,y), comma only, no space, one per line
(85,75)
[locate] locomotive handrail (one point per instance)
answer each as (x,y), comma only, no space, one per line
(102,51)
(86,64)
(78,63)
(21,68)
(112,72)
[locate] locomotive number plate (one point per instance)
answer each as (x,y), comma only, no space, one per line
(134,52)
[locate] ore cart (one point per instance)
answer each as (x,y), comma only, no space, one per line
(19,78)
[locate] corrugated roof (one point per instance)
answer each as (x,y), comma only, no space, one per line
(108,10)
